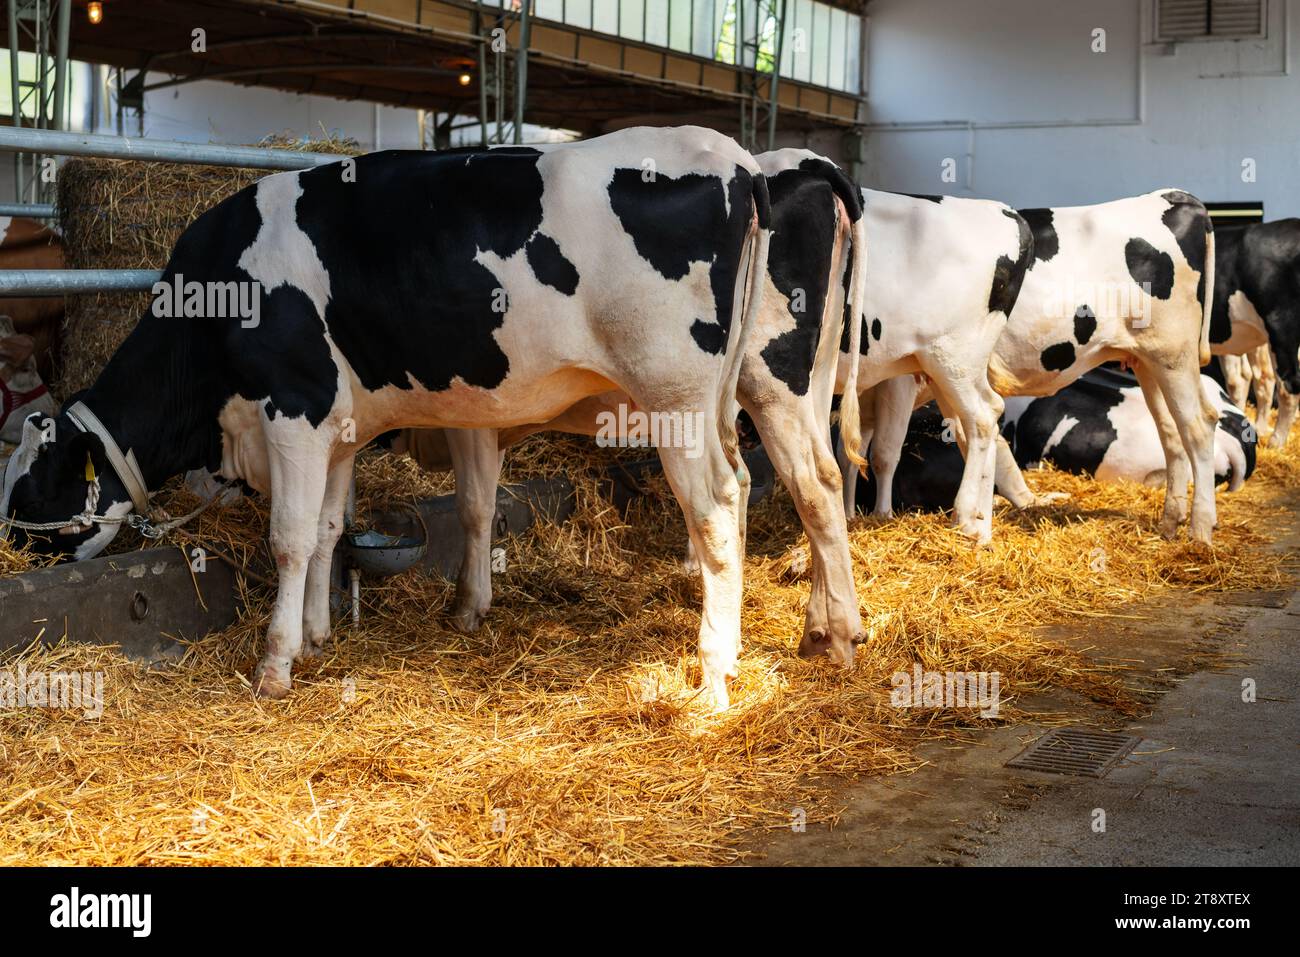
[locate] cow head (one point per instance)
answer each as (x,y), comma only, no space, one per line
(57,474)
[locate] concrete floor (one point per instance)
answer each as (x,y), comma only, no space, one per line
(1215,780)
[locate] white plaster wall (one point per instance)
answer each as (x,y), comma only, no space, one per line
(1057,124)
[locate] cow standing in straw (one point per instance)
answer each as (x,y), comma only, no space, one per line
(472,289)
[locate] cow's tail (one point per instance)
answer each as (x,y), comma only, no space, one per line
(850,414)
(1207,276)
(744,313)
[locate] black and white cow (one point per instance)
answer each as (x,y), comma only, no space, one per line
(468,289)
(926,255)
(1098,425)
(785,383)
(944,275)
(1127,281)
(1257,304)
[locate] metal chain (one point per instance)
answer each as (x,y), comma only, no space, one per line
(141,523)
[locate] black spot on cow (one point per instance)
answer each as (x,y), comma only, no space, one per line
(1025,236)
(709,336)
(929,467)
(927,197)
(876,328)
(799,263)
(389,262)
(1059,357)
(1008,273)
(675,221)
(1046,243)
(550,266)
(1001,297)
(1085,324)
(864,338)
(644,206)
(1150,268)
(1189,221)
(1082,448)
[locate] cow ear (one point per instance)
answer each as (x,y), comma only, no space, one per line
(33,433)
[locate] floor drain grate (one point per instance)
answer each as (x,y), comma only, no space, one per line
(1075,751)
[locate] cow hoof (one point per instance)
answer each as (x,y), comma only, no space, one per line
(814,644)
(715,690)
(1050,498)
(269,685)
(310,649)
(1169,529)
(468,620)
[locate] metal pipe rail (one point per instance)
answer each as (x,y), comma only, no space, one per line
(32,210)
(72,282)
(64,282)
(54,142)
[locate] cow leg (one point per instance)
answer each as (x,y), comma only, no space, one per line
(1178,470)
(1010,483)
(1265,381)
(1236,379)
(976,407)
(895,399)
(1193,419)
(316,603)
(707,490)
(298,458)
(1287,404)
(803,461)
(477,461)
(744,481)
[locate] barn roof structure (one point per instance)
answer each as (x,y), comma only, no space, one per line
(426,54)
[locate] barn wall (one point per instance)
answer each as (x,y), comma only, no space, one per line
(208,111)
(1001,62)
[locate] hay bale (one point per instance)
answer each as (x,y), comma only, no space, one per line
(124,214)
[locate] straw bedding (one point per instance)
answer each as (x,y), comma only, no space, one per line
(567,731)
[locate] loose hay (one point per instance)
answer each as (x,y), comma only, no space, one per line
(568,730)
(123,214)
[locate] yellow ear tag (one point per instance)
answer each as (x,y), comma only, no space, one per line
(90,469)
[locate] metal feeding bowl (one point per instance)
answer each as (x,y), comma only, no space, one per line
(380,553)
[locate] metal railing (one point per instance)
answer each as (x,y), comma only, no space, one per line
(71,282)
(59,143)
(62,282)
